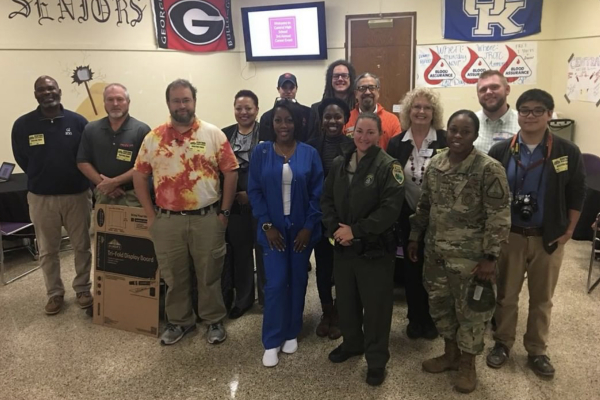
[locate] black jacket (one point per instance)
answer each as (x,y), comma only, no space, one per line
(318,142)
(401,151)
(564,190)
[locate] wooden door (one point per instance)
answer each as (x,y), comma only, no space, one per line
(387,52)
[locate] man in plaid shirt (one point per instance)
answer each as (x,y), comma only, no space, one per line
(497,120)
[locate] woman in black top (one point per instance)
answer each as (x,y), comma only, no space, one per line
(334,114)
(238,274)
(422,115)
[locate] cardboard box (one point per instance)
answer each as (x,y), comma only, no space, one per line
(126,276)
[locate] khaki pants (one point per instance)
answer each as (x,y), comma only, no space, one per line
(129,199)
(49,213)
(177,238)
(519,256)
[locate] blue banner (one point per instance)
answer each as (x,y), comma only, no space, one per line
(491,20)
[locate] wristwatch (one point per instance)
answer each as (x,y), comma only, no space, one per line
(266,226)
(226,213)
(490,257)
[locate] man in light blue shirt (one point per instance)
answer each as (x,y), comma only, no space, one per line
(497,120)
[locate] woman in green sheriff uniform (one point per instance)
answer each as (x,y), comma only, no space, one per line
(361,201)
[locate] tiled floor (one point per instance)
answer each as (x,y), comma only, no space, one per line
(67,357)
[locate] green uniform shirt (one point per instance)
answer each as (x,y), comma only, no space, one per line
(465,210)
(371,201)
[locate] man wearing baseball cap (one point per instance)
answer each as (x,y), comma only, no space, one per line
(287,86)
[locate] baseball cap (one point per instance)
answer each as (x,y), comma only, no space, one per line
(287,77)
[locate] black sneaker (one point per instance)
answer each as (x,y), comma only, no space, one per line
(174,333)
(375,376)
(414,330)
(430,332)
(541,366)
(497,356)
(339,356)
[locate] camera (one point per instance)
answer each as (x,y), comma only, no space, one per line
(525,205)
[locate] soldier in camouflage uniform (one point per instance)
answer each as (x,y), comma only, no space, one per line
(464,213)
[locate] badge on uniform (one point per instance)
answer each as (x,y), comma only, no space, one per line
(36,140)
(369,180)
(561,164)
(124,155)
(398,173)
(495,190)
(198,147)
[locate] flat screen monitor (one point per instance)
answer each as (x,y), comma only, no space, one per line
(285,32)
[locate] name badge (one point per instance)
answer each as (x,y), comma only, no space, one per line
(124,155)
(502,135)
(561,164)
(198,147)
(36,140)
(426,152)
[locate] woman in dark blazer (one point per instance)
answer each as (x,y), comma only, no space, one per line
(422,114)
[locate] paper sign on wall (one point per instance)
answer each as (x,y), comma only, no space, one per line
(583,79)
(458,65)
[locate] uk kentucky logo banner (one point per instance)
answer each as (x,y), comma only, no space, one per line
(193,25)
(491,20)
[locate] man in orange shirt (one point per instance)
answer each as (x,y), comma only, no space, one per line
(366,90)
(185,157)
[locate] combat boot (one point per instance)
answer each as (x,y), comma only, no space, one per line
(466,380)
(448,361)
(323,327)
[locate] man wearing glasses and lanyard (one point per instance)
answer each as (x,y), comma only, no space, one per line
(547,179)
(366,90)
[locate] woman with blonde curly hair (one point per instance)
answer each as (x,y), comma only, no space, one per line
(422,117)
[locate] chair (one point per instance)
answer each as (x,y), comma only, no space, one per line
(16,229)
(595,257)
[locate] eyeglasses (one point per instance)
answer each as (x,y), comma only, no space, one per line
(342,76)
(424,108)
(537,112)
(371,88)
(185,101)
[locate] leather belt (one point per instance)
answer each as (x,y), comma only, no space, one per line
(200,211)
(526,231)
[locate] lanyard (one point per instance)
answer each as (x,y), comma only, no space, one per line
(514,149)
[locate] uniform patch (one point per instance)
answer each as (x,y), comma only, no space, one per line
(561,164)
(198,147)
(398,173)
(36,140)
(495,190)
(124,155)
(369,180)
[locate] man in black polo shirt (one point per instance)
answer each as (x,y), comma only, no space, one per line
(45,143)
(287,86)
(109,148)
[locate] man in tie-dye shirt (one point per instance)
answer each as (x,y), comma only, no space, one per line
(185,157)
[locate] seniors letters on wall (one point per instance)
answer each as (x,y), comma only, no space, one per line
(193,25)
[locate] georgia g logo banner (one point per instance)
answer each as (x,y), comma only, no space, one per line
(491,20)
(193,25)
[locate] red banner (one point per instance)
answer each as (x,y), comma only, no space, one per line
(193,25)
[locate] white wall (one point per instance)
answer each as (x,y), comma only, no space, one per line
(129,55)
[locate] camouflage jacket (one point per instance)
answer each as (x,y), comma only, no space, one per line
(464,211)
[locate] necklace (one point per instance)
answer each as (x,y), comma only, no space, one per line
(285,156)
(412,168)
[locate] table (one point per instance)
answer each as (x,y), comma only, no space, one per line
(13,199)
